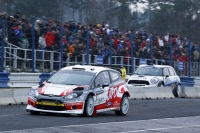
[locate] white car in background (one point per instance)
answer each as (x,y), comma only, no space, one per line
(155,76)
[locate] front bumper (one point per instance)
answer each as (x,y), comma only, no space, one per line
(77,111)
(64,107)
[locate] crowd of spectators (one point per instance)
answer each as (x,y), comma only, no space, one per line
(47,37)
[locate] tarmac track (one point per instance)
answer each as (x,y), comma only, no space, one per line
(146,116)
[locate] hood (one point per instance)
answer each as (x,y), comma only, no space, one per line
(58,89)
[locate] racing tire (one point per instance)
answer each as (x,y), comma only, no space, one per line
(89,106)
(124,106)
(178,91)
(34,112)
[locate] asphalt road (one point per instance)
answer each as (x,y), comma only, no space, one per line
(180,114)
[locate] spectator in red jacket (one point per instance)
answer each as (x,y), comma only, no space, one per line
(50,38)
(184,59)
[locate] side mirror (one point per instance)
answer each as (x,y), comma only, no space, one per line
(166,76)
(105,85)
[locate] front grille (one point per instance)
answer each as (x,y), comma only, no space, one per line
(50,104)
(49,100)
(54,108)
(143,82)
(51,96)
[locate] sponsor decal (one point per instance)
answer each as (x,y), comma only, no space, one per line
(109,103)
(116,104)
(75,103)
(98,91)
(100,100)
(111,93)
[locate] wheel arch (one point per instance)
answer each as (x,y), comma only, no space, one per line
(127,93)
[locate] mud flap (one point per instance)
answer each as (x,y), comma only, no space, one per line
(95,111)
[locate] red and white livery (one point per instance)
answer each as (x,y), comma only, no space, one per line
(81,89)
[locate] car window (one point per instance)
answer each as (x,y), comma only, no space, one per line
(165,71)
(171,71)
(149,70)
(114,75)
(102,78)
(72,77)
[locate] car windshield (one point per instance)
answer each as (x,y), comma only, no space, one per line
(72,77)
(153,71)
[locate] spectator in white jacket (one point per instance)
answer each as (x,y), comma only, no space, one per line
(161,43)
(42,45)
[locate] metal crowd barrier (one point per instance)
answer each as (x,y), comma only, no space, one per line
(20,60)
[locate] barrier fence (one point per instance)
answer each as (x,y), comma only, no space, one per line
(17,59)
(14,88)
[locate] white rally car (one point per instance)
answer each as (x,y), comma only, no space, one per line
(155,76)
(80,89)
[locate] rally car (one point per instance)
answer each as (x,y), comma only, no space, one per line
(155,76)
(80,89)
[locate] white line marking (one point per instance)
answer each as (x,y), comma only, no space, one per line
(157,129)
(99,123)
(9,115)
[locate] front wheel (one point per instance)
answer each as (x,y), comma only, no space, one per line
(89,106)
(124,106)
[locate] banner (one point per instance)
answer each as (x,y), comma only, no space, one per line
(143,61)
(180,66)
(99,59)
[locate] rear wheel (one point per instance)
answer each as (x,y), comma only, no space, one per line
(89,106)
(124,106)
(178,91)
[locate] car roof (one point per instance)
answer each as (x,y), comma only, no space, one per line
(159,66)
(89,68)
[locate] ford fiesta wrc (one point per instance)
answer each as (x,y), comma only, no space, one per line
(80,89)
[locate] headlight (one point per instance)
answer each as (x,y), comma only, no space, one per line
(33,91)
(36,93)
(154,81)
(72,95)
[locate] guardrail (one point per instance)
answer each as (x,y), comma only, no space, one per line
(14,88)
(22,80)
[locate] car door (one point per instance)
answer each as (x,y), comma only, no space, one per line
(173,77)
(100,91)
(116,90)
(166,77)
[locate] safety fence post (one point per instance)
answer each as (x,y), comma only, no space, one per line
(61,47)
(111,47)
(33,47)
(170,43)
(2,46)
(189,58)
(151,49)
(132,49)
(87,46)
